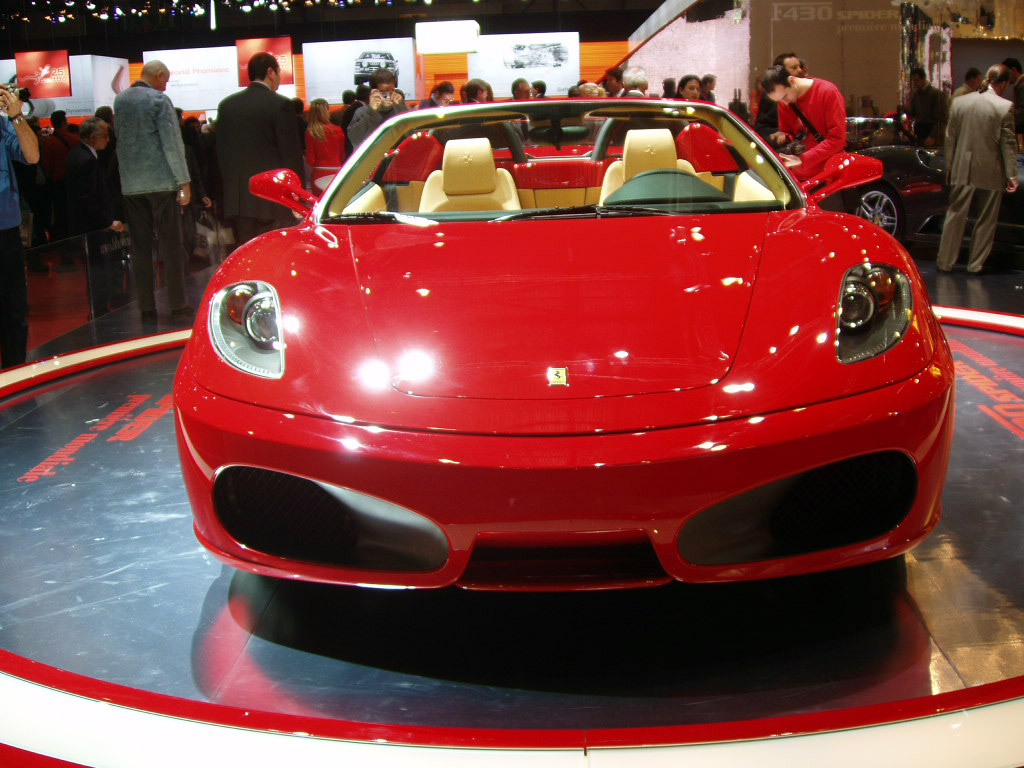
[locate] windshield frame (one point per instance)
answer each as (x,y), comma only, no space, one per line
(360,166)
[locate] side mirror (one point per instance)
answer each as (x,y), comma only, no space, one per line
(283,186)
(841,172)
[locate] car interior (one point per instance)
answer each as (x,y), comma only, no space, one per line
(502,166)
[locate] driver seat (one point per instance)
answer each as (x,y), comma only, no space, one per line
(469,181)
(645,149)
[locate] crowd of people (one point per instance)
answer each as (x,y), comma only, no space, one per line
(143,167)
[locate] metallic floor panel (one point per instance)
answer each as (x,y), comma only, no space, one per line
(100,575)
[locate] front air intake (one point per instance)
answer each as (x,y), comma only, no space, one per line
(843,503)
(300,519)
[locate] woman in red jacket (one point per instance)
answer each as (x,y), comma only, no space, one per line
(325,145)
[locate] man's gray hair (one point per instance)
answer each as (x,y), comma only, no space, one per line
(635,79)
(90,126)
(997,73)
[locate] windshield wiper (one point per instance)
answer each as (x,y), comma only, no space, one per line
(375,217)
(633,210)
(594,210)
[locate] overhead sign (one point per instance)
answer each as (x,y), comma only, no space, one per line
(279,47)
(47,74)
(335,67)
(447,36)
(200,77)
(553,57)
(95,81)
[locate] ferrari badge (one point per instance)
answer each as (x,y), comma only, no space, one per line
(558,377)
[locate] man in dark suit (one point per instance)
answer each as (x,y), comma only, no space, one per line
(613,84)
(90,206)
(91,212)
(256,133)
(362,98)
(981,154)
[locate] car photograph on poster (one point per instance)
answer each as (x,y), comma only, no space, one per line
(370,61)
(531,55)
(564,345)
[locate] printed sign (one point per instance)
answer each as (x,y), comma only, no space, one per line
(279,47)
(47,74)
(553,57)
(335,67)
(95,81)
(200,77)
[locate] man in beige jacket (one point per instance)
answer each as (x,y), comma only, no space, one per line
(981,156)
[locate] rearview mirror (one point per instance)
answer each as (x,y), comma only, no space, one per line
(283,186)
(841,172)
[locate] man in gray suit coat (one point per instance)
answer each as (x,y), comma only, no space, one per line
(255,132)
(981,153)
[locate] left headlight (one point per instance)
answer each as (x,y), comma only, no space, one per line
(875,307)
(245,328)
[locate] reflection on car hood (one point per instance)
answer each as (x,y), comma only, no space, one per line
(493,310)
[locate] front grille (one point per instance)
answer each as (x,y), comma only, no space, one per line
(627,563)
(835,505)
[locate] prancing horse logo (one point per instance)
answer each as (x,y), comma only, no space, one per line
(558,377)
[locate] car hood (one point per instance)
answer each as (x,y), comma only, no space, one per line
(558,308)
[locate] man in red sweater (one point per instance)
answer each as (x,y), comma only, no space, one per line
(812,113)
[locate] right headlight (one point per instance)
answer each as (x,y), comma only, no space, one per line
(875,307)
(245,327)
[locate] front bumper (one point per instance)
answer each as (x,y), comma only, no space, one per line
(576,512)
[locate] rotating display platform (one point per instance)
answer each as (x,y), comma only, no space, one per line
(105,594)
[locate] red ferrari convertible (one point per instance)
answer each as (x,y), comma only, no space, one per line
(564,344)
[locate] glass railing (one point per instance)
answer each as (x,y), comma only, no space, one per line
(81,292)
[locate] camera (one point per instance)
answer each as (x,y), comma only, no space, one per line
(794,147)
(21,93)
(386,96)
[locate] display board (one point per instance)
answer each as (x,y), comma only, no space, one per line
(279,47)
(335,67)
(95,81)
(201,77)
(46,73)
(552,57)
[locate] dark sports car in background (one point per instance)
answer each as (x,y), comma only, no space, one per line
(564,344)
(910,200)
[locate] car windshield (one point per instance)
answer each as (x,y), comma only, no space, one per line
(514,161)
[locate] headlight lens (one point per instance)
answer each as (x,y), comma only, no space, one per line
(245,327)
(875,307)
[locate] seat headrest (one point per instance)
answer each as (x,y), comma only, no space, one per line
(646,149)
(468,167)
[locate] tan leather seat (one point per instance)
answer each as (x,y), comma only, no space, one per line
(469,181)
(645,149)
(749,189)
